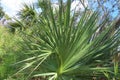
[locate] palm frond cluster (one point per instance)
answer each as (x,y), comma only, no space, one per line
(59,48)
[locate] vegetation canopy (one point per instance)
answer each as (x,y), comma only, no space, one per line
(62,44)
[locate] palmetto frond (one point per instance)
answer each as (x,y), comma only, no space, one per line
(28,12)
(63,49)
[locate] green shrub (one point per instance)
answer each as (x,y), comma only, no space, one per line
(60,48)
(9,51)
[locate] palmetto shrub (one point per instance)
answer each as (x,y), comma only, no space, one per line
(59,48)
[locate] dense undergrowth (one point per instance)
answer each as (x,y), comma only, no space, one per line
(10,50)
(55,46)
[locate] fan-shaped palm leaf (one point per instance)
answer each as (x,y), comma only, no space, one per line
(63,50)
